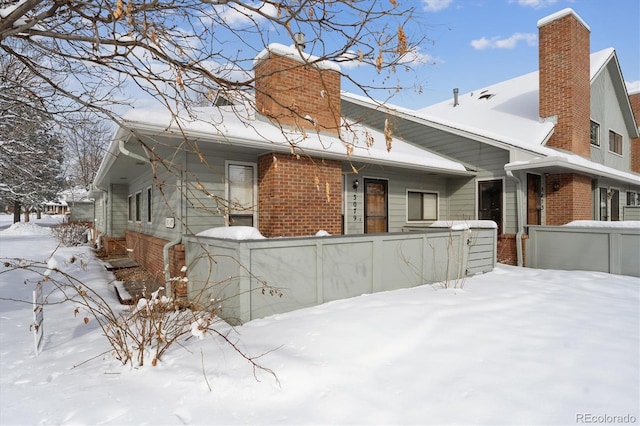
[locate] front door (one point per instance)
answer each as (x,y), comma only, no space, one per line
(375,205)
(490,201)
(534,200)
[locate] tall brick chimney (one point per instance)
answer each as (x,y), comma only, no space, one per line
(635,143)
(565,93)
(297,91)
(565,79)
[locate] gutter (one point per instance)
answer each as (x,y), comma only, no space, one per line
(519,217)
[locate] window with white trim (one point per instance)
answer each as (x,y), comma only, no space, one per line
(241,193)
(422,206)
(138,206)
(595,133)
(130,213)
(149,204)
(615,142)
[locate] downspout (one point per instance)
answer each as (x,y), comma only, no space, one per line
(167,247)
(519,217)
(177,240)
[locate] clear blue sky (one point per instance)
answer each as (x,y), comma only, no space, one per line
(455,26)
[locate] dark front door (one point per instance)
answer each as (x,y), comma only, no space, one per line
(490,201)
(375,205)
(534,200)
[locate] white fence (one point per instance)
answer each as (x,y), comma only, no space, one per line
(255,278)
(613,250)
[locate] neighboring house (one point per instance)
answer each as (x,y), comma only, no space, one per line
(73,202)
(548,147)
(285,173)
(296,162)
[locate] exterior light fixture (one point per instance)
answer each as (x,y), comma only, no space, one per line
(356,184)
(556,186)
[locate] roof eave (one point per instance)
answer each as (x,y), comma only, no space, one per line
(559,164)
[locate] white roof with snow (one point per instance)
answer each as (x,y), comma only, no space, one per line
(507,111)
(235,126)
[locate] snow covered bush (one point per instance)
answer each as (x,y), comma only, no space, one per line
(71,234)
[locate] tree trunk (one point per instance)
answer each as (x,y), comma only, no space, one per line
(17,207)
(26,214)
(38,213)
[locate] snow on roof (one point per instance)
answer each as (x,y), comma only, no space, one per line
(293,53)
(236,126)
(630,224)
(556,158)
(561,14)
(507,111)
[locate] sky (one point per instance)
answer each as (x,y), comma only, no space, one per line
(475,43)
(511,346)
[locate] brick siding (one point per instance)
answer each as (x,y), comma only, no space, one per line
(565,89)
(148,252)
(287,91)
(506,250)
(571,201)
(299,196)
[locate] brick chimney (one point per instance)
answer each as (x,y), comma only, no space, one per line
(565,79)
(297,91)
(635,143)
(565,93)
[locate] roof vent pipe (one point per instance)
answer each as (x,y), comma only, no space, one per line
(455,97)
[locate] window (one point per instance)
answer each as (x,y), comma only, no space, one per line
(615,204)
(595,133)
(138,206)
(633,198)
(149,204)
(241,194)
(131,212)
(615,142)
(603,204)
(490,201)
(422,206)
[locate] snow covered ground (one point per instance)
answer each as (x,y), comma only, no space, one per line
(514,346)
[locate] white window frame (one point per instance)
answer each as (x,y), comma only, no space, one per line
(599,143)
(130,208)
(228,163)
(421,191)
(621,142)
(138,207)
(149,204)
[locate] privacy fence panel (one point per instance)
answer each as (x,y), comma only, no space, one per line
(612,250)
(251,279)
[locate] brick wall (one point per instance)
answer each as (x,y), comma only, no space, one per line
(288,91)
(565,90)
(299,196)
(114,245)
(506,250)
(635,143)
(148,252)
(571,201)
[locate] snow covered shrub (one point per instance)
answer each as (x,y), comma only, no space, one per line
(71,234)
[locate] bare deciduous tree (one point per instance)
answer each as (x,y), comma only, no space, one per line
(183,51)
(85,145)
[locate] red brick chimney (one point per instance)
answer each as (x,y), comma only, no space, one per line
(635,143)
(295,90)
(565,79)
(565,93)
